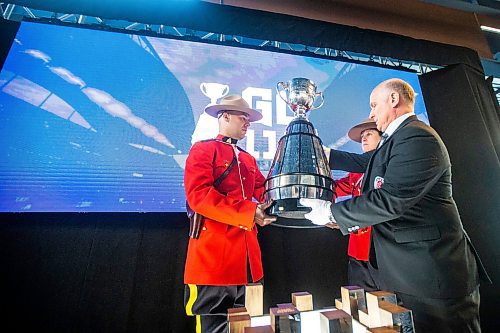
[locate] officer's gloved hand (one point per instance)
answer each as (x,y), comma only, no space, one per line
(320,211)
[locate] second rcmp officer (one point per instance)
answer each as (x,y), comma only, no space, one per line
(359,271)
(223,253)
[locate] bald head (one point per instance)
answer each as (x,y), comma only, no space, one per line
(389,100)
(405,91)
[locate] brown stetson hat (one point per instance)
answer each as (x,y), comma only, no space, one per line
(233,103)
(355,132)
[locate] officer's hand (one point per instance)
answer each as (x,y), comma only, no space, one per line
(332,225)
(261,218)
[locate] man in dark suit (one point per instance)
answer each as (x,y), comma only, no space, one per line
(419,245)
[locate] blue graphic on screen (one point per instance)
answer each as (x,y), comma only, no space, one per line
(97,121)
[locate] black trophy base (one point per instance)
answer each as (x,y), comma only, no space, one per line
(288,208)
(290,213)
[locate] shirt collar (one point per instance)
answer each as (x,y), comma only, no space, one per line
(393,126)
(226,139)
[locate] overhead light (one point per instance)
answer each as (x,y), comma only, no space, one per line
(490,29)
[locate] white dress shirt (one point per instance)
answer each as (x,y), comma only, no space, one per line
(393,126)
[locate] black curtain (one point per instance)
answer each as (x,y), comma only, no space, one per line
(123,272)
(313,260)
(93,272)
(8,30)
(465,113)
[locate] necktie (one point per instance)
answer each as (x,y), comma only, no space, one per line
(384,137)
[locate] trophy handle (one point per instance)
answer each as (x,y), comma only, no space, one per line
(226,90)
(203,88)
(284,86)
(322,101)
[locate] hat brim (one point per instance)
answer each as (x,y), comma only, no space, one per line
(213,110)
(355,132)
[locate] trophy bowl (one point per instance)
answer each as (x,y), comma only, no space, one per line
(300,95)
(300,168)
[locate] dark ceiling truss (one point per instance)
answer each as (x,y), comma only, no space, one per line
(18,13)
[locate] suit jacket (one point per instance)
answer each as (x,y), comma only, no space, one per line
(359,241)
(229,236)
(421,247)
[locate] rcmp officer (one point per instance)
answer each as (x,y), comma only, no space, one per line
(359,271)
(220,181)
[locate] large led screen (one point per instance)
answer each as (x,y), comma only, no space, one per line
(95,121)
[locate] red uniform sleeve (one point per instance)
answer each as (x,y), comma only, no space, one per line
(344,186)
(202,196)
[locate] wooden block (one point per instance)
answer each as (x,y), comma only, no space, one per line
(395,315)
(286,305)
(338,303)
(358,327)
(237,323)
(335,321)
(259,329)
(353,298)
(236,311)
(372,301)
(373,297)
(285,318)
(393,329)
(254,299)
(363,318)
(303,301)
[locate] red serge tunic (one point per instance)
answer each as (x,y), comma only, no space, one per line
(359,242)
(229,236)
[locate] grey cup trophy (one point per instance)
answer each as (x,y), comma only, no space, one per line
(300,168)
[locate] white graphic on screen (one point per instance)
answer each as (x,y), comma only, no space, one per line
(207,126)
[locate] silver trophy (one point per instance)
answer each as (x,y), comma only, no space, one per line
(300,168)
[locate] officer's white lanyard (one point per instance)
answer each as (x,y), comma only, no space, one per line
(236,154)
